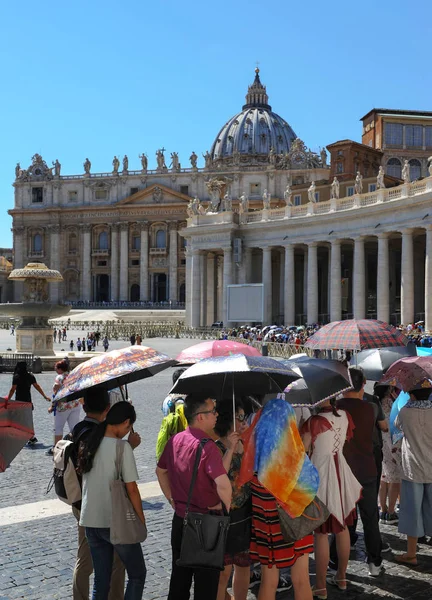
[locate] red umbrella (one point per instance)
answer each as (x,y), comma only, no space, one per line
(410,373)
(356,334)
(16,428)
(214,348)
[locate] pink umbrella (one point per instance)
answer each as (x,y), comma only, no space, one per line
(213,348)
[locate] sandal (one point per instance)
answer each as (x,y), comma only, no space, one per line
(339,583)
(406,560)
(320,594)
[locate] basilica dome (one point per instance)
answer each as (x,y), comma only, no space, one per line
(255,131)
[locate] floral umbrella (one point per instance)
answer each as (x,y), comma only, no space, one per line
(16,428)
(113,369)
(213,348)
(410,373)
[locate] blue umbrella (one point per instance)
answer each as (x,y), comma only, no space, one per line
(401,400)
(423,351)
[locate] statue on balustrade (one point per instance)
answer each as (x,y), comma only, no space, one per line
(175,163)
(288,195)
(380,179)
(160,159)
(312,192)
(266,200)
(227,202)
(17,170)
(208,159)
(334,189)
(115,164)
(272,157)
(125,164)
(87,166)
(144,162)
(243,204)
(323,155)
(430,165)
(57,167)
(193,160)
(406,172)
(358,184)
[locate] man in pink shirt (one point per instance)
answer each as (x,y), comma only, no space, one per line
(212,486)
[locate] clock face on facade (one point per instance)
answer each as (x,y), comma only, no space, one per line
(298,158)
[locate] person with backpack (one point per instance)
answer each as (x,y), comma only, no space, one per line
(173,423)
(96,406)
(97,463)
(64,412)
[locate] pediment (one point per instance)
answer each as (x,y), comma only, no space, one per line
(155,194)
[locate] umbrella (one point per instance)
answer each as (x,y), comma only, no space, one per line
(324,379)
(356,334)
(214,348)
(297,393)
(422,351)
(16,428)
(401,400)
(412,372)
(375,362)
(113,369)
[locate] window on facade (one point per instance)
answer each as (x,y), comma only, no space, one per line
(428,136)
(133,190)
(394,167)
(136,242)
(350,190)
(184,189)
(73,196)
(415,169)
(339,167)
(73,243)
(135,262)
(414,135)
(37,242)
(101,263)
(372,187)
(340,153)
(182,243)
(37,194)
(297,200)
(393,134)
(160,239)
(255,189)
(103,241)
(101,194)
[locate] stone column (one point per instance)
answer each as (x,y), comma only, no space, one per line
(407,278)
(359,301)
(203,289)
(114,292)
(383,279)
(124,262)
(267,281)
(19,234)
(195,289)
(144,262)
(248,264)
(428,279)
(173,260)
(86,282)
(220,293)
(188,303)
(227,280)
(281,282)
(289,285)
(210,310)
(54,233)
(335,281)
(312,283)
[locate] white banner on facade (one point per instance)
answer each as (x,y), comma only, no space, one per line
(245,303)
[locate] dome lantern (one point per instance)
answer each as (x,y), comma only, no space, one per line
(257,94)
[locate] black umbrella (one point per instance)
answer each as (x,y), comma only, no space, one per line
(376,361)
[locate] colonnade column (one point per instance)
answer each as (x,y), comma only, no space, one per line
(203,289)
(86,287)
(114,293)
(227,280)
(195,302)
(428,279)
(210,309)
(18,248)
(312,283)
(144,262)
(54,231)
(173,258)
(220,292)
(289,286)
(267,281)
(383,279)
(359,303)
(188,275)
(407,278)
(248,264)
(335,281)
(124,260)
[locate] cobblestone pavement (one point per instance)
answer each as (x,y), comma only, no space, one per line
(37,556)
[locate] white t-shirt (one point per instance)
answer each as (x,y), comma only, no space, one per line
(96,494)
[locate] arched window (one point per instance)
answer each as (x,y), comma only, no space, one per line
(136,242)
(160,239)
(72,246)
(135,293)
(394,168)
(37,242)
(415,169)
(103,240)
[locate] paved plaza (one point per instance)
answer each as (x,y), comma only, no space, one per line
(38,532)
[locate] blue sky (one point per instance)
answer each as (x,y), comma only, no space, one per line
(92,78)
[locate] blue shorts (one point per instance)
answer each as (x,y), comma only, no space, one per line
(415,516)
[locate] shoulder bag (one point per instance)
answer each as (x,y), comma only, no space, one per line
(126,527)
(204,535)
(314,515)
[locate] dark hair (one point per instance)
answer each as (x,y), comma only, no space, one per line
(421,394)
(62,364)
(225,417)
(96,400)
(21,368)
(177,374)
(381,390)
(333,406)
(116,415)
(193,403)
(357,378)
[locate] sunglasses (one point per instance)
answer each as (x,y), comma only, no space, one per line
(213,411)
(240,418)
